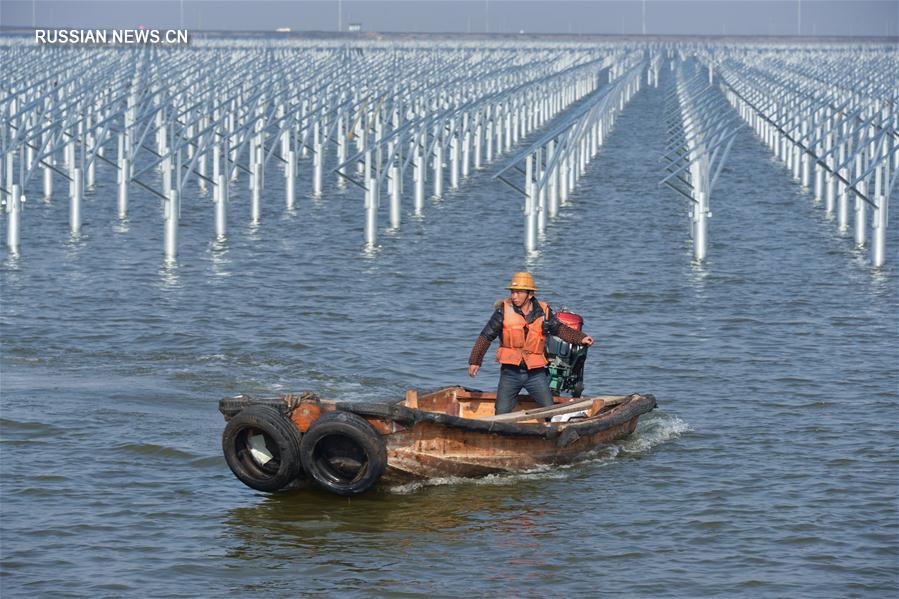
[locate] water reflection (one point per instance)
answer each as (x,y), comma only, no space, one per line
(13,260)
(122,226)
(880,280)
(76,241)
(317,521)
(370,251)
(168,275)
(699,276)
(254,230)
(532,258)
(218,254)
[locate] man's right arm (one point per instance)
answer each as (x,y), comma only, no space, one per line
(491,331)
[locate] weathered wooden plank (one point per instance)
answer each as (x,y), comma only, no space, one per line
(581,404)
(465,395)
(596,407)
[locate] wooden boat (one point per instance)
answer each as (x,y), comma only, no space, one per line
(348,447)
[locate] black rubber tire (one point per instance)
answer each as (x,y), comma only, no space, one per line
(232,406)
(282,439)
(343,453)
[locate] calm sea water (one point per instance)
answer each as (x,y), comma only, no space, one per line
(769,469)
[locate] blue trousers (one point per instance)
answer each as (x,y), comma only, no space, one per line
(513,378)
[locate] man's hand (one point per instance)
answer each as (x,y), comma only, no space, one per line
(473,369)
(588,341)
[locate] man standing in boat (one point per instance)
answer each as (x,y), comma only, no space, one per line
(523,323)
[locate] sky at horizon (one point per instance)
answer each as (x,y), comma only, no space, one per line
(662,17)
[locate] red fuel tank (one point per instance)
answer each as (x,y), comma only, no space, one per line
(570,319)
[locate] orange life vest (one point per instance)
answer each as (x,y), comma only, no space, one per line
(516,345)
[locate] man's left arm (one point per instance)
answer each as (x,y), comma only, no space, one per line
(564,332)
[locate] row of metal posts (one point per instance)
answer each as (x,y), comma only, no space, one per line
(700,176)
(512,120)
(831,150)
(554,165)
(808,136)
(487,132)
(462,136)
(700,138)
(170,164)
(169,149)
(92,144)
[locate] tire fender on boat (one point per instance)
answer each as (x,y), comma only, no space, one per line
(262,448)
(343,453)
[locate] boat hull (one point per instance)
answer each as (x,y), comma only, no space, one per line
(429,450)
(347,447)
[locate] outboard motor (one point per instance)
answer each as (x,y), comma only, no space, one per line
(566,361)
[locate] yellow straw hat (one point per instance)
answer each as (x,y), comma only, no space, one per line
(522,281)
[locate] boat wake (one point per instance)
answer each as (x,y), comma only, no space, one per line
(651,432)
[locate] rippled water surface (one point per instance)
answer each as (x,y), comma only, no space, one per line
(769,468)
